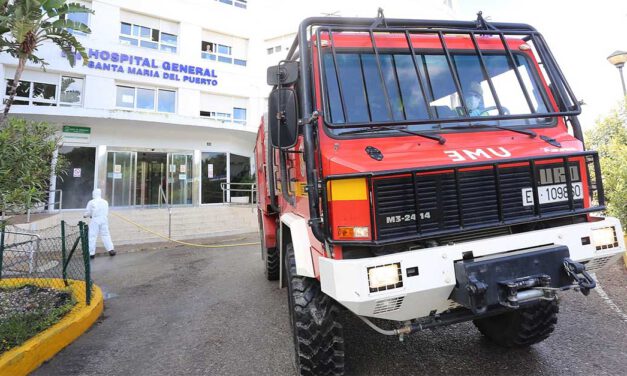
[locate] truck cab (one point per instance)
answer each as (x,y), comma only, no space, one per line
(425,173)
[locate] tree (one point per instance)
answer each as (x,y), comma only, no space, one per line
(26,24)
(609,138)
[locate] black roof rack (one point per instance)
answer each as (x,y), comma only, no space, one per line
(567,104)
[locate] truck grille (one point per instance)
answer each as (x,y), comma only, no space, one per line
(460,199)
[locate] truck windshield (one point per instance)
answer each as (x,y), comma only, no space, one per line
(397,92)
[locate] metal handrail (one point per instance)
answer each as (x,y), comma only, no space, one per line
(163,196)
(51,205)
(32,260)
(250,188)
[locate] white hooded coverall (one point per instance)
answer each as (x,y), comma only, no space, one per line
(98,210)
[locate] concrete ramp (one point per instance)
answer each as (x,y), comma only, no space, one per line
(187,222)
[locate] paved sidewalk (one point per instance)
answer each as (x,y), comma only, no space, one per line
(191,311)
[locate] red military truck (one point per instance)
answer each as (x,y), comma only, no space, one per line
(424,173)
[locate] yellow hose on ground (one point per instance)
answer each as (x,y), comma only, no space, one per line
(178,241)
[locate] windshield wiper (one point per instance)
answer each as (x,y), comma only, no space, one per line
(528,132)
(441,140)
(549,140)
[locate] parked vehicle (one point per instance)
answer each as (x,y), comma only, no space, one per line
(425,173)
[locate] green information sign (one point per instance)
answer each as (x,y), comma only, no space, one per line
(75,129)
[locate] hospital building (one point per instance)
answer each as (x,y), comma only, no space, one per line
(168,106)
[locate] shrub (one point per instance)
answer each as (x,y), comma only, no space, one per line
(609,138)
(26,154)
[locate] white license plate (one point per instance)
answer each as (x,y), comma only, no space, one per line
(552,193)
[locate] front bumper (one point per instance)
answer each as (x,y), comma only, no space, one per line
(347,280)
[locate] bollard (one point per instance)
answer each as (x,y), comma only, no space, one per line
(85,248)
(63,253)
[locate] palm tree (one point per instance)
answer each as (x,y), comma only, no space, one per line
(26,24)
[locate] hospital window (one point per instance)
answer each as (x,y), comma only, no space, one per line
(137,35)
(219,52)
(71,91)
(274,49)
(145,99)
(33,93)
(238,116)
(78,17)
(236,3)
(220,116)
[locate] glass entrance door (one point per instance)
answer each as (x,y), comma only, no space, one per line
(180,178)
(121,170)
(213,174)
(151,175)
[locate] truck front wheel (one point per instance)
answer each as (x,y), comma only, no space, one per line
(318,337)
(522,327)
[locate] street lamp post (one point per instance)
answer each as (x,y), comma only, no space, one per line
(618,59)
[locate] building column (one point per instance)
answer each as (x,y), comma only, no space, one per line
(197,177)
(53,182)
(100,171)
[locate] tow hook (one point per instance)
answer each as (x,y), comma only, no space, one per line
(578,272)
(476,292)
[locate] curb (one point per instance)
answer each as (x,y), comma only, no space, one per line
(31,354)
(625,254)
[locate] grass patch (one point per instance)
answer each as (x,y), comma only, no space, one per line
(29,310)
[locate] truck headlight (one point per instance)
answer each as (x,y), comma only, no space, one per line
(385,277)
(604,238)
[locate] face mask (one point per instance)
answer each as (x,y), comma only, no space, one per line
(472,101)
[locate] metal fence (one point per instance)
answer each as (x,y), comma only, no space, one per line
(53,256)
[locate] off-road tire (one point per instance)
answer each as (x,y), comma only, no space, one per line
(318,336)
(522,327)
(270,256)
(272,263)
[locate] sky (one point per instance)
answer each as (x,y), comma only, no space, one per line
(580,33)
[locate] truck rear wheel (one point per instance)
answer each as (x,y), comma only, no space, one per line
(318,336)
(522,327)
(272,263)
(270,256)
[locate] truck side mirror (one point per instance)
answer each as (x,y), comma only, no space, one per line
(285,73)
(283,118)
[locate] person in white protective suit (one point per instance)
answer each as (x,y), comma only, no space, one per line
(98,210)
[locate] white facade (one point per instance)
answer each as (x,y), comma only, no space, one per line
(174,90)
(163,81)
